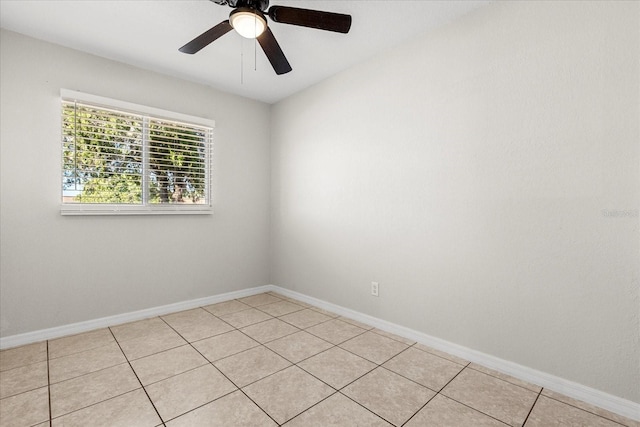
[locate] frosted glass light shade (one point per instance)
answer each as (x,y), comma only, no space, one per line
(248,24)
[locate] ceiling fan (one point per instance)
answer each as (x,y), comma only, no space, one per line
(248,18)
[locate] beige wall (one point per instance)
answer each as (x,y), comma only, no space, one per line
(59,270)
(471,173)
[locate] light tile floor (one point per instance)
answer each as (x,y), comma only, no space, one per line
(265,360)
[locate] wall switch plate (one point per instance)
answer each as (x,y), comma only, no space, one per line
(374,289)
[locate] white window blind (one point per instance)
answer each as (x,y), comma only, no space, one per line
(119,158)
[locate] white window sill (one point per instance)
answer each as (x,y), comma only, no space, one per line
(134,210)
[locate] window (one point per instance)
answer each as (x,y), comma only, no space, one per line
(121,158)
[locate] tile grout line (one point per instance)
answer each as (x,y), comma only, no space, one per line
(89,373)
(419,409)
(464,365)
(138,378)
(412,380)
(379,365)
(464,404)
(283,314)
(373,330)
(407,378)
(432,397)
(95,404)
(266,376)
(341,342)
(309,357)
(531,409)
(311,326)
(312,406)
(49,384)
(244,326)
(472,408)
(505,380)
(395,355)
(364,407)
(74,353)
(255,403)
(270,341)
(203,405)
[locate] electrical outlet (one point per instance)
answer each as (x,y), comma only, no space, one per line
(374,289)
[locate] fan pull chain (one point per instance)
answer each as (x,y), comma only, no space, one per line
(241,61)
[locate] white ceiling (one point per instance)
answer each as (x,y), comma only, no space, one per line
(148,34)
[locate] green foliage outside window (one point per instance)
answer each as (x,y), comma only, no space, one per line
(112,157)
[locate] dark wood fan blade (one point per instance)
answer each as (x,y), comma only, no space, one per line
(275,55)
(328,21)
(206,38)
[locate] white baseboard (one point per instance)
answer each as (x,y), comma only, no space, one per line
(612,403)
(76,328)
(615,404)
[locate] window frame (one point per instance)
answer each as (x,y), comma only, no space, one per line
(144,208)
